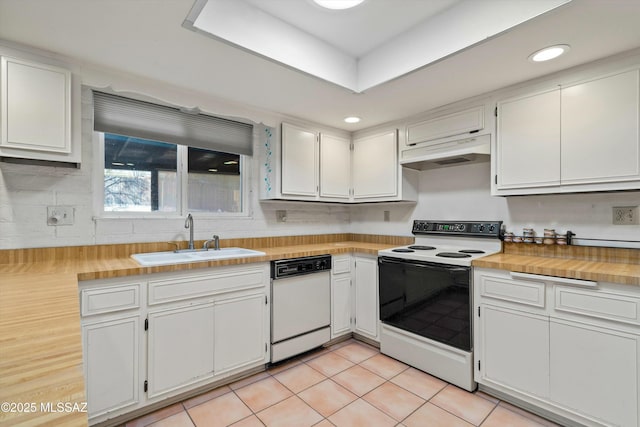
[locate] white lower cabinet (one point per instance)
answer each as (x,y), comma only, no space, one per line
(595,371)
(366,297)
(180,344)
(111,364)
(568,347)
(341,295)
(354,296)
(161,335)
(515,349)
(240,332)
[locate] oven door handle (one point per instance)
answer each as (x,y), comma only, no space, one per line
(382,261)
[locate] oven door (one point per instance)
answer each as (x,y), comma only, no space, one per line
(428,299)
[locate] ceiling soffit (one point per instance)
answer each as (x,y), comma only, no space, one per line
(463,24)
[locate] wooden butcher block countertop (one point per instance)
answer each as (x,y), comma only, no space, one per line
(574,262)
(40,336)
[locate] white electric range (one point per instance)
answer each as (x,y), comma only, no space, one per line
(425,296)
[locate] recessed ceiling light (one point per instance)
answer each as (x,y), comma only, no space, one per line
(549,53)
(338,4)
(352,119)
(231,162)
(213,170)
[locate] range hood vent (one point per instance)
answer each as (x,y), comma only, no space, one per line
(451,153)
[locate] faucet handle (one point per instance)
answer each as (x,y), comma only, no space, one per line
(175,244)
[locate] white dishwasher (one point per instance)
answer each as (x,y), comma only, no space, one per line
(300,305)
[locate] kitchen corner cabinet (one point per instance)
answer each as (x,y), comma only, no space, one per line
(318,166)
(365,282)
(341,295)
(580,137)
(354,296)
(335,167)
(568,347)
(153,337)
(37,102)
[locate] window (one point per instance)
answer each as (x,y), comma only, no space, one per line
(198,170)
(141,175)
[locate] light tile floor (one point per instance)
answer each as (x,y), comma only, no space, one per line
(347,385)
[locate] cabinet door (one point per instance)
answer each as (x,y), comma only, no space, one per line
(111,350)
(528,141)
(600,140)
(180,345)
(515,349)
(458,123)
(595,371)
(366,296)
(375,166)
(340,305)
(335,167)
(240,332)
(36,106)
(299,161)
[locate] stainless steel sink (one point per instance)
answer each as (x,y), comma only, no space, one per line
(166,258)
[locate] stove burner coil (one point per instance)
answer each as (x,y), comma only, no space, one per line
(453,255)
(471,251)
(403,250)
(422,248)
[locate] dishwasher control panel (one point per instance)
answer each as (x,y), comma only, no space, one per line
(297,266)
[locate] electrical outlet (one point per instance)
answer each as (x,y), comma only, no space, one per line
(60,215)
(625,215)
(281,216)
(387,216)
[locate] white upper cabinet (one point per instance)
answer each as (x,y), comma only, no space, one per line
(323,167)
(335,166)
(600,130)
(299,161)
(444,126)
(36,111)
(582,137)
(375,166)
(528,143)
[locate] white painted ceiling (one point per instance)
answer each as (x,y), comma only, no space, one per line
(146,38)
(359,30)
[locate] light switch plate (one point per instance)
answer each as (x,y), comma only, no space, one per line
(625,215)
(60,215)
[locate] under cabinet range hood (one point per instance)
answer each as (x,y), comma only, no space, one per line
(472,149)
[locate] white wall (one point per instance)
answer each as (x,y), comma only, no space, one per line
(463,193)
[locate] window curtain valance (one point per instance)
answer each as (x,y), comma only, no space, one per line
(140,119)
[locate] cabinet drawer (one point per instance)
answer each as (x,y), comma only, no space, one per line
(107,300)
(180,288)
(341,264)
(517,291)
(601,305)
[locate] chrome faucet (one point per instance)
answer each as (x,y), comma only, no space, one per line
(189,224)
(216,243)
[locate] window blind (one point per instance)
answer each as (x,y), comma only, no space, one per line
(140,119)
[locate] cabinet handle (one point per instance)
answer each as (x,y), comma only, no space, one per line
(561,280)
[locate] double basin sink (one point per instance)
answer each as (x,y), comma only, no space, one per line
(182,257)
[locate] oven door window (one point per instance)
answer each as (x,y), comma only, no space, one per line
(430,300)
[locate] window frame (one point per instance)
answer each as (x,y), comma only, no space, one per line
(182,169)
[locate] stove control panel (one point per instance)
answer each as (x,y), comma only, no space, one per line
(490,229)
